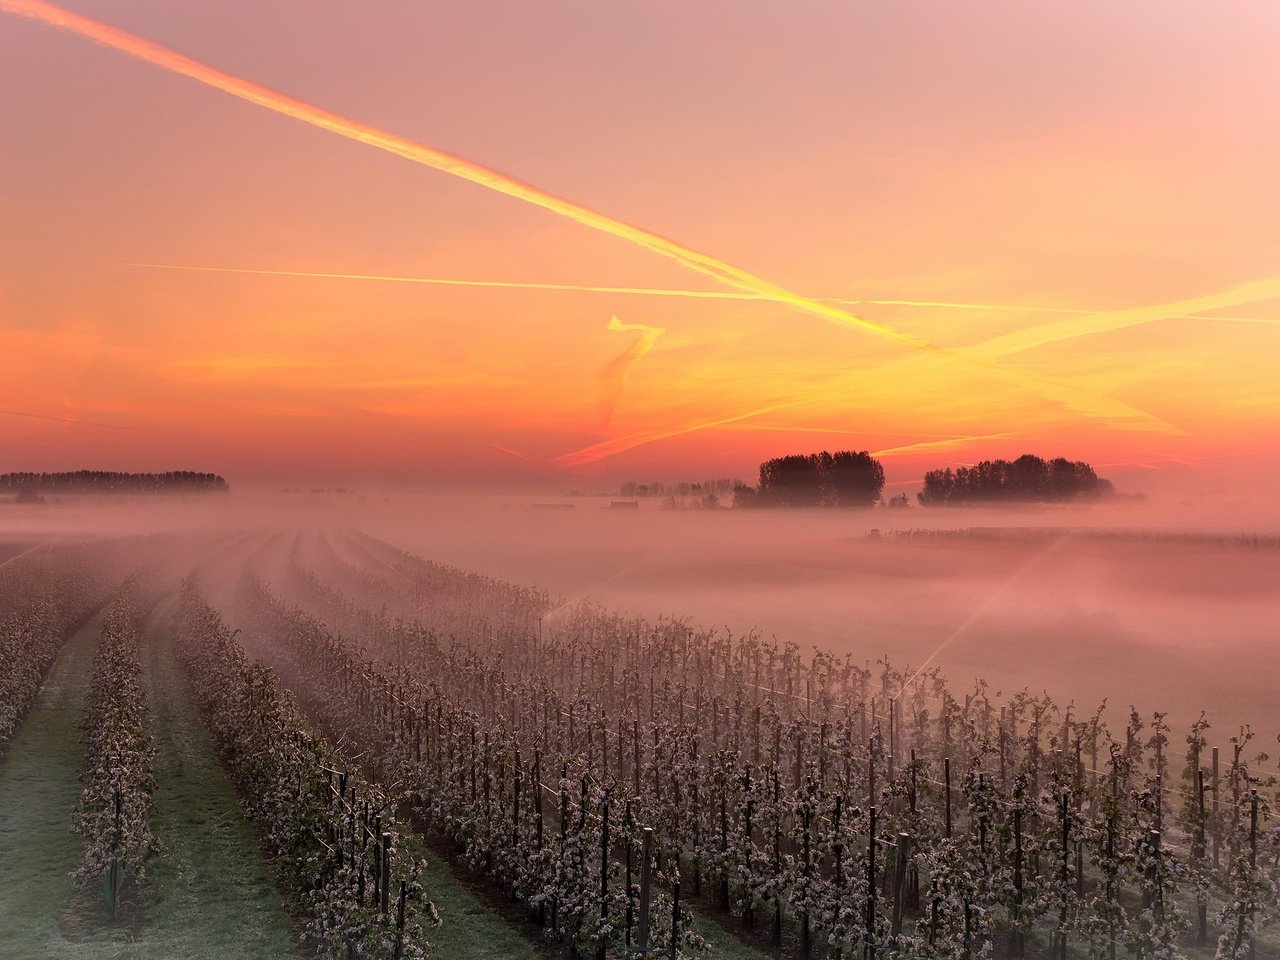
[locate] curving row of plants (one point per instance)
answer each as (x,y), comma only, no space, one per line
(334,836)
(762,768)
(112,818)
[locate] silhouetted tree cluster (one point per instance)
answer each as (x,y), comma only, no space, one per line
(108,481)
(841,479)
(1027,479)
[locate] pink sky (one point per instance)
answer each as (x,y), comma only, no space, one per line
(1094,156)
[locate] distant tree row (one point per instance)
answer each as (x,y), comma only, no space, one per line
(1029,478)
(107,481)
(721,487)
(841,479)
(856,479)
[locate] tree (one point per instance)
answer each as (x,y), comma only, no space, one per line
(938,487)
(855,479)
(791,481)
(745,497)
(841,479)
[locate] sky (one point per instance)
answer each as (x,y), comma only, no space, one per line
(939,232)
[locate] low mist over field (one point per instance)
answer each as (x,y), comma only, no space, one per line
(1171,607)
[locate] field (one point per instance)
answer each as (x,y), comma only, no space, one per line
(485,731)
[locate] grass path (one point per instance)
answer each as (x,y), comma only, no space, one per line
(212,895)
(39,787)
(469,930)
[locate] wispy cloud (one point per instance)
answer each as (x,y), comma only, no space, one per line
(613,379)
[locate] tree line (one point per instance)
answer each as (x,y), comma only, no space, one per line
(850,478)
(720,487)
(109,481)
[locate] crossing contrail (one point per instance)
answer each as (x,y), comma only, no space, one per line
(734,277)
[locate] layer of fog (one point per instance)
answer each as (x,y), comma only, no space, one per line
(1066,604)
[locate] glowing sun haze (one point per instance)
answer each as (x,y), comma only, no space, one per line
(720,232)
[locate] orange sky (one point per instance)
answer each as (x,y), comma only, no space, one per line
(1115,162)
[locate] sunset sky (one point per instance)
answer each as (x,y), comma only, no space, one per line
(936,231)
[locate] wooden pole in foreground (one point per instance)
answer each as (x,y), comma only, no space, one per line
(899,883)
(384,900)
(869,951)
(646,859)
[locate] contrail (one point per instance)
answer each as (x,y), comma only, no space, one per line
(1101,322)
(833,431)
(951,305)
(39,443)
(596,288)
(609,448)
(1264,320)
(936,444)
(511,453)
(83,423)
(507,284)
(718,270)
(614,377)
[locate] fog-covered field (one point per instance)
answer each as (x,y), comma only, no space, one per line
(1157,608)
(1171,607)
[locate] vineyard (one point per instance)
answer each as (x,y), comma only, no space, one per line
(607,785)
